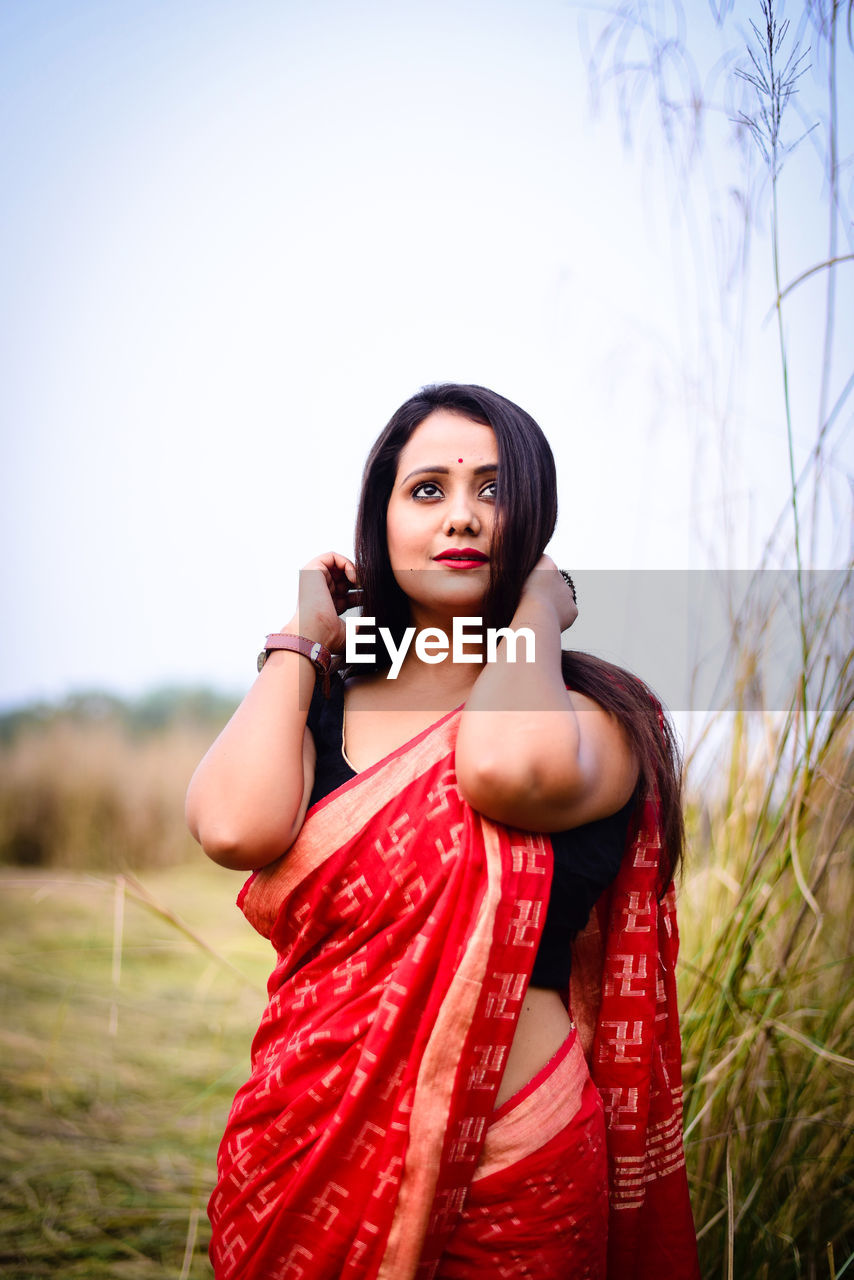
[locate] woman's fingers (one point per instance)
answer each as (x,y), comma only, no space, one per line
(341,580)
(547,580)
(327,587)
(336,568)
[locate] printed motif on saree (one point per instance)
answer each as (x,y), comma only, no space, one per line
(406,926)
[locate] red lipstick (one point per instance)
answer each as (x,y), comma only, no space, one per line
(462,558)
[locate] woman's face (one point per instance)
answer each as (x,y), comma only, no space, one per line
(441,515)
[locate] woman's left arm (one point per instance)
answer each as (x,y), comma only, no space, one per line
(530,753)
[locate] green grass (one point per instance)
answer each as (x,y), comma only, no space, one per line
(113,1094)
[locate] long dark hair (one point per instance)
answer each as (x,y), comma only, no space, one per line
(525,516)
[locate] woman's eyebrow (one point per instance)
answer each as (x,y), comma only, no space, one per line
(444,471)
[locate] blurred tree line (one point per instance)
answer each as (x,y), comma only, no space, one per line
(155,710)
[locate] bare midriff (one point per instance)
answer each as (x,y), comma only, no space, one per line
(543,1026)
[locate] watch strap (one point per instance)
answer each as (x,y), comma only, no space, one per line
(316,652)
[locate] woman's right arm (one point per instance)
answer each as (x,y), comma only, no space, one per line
(247,799)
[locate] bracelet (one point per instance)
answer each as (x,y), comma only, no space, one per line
(317,653)
(567,577)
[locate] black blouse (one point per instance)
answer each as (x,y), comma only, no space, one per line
(586,858)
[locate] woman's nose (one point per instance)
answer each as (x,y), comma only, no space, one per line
(461,515)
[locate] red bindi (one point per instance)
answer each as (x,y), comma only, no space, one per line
(459,459)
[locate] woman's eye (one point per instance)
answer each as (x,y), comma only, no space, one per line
(427,489)
(488,490)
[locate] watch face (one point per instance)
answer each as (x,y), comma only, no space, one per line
(262,658)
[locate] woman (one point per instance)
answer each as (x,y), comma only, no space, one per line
(425,847)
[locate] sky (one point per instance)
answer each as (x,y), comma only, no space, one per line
(235,237)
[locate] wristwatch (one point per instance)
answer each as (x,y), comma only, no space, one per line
(316,652)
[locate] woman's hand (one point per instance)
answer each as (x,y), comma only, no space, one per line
(248,797)
(546,583)
(327,586)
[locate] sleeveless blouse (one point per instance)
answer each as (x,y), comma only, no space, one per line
(586,858)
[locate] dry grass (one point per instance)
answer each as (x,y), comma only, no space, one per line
(91,794)
(767,993)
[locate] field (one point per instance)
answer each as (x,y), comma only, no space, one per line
(123,1042)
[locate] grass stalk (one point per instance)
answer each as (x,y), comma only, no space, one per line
(118,935)
(730,1215)
(190,1246)
(832,240)
(784,372)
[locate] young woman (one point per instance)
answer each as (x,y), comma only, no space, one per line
(469,1063)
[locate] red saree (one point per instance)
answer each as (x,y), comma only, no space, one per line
(406,926)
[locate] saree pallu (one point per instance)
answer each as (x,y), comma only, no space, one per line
(405,926)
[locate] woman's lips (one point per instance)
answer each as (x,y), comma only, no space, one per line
(464,558)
